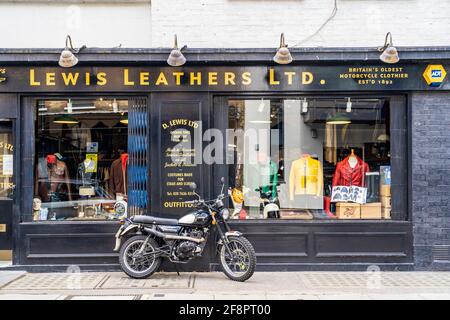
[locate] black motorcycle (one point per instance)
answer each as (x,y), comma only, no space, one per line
(149,239)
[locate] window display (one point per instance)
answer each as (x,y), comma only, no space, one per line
(81,159)
(309,158)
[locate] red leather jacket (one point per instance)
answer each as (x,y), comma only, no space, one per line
(348,176)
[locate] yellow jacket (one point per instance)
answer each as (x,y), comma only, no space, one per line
(305,177)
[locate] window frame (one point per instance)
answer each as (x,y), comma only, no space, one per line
(401,208)
(28,118)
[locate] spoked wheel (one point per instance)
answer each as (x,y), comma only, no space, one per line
(138,264)
(240,263)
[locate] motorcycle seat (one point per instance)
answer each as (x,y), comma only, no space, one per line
(155,220)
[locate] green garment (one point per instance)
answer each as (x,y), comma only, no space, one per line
(264,176)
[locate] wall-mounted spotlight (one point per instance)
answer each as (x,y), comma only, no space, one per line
(67,58)
(115,106)
(283,56)
(304,105)
(261,106)
(348,108)
(389,53)
(176,57)
(69,106)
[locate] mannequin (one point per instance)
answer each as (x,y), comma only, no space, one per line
(305,177)
(56,185)
(352,160)
(351,171)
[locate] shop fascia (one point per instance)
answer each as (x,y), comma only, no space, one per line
(42,78)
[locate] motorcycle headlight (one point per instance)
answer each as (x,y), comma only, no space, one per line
(225,214)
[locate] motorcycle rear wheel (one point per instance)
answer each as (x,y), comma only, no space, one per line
(240,264)
(136,265)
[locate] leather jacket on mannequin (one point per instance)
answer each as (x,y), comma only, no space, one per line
(345,175)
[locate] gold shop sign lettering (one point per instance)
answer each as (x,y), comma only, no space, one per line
(2,75)
(341,77)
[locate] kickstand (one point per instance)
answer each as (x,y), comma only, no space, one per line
(176,268)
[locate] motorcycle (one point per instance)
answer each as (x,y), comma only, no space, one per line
(150,239)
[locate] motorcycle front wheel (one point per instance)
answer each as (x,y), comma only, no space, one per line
(136,264)
(239,262)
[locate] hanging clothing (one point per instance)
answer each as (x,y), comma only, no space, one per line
(81,135)
(264,176)
(345,175)
(305,177)
(330,143)
(118,176)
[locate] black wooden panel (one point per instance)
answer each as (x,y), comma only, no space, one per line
(279,244)
(165,108)
(6,220)
(360,244)
(8,106)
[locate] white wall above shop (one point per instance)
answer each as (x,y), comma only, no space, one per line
(222,23)
(258,23)
(37,24)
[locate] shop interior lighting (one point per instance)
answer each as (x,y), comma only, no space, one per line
(176,57)
(348,108)
(389,53)
(304,105)
(338,119)
(261,106)
(124,119)
(65,119)
(283,56)
(115,106)
(69,107)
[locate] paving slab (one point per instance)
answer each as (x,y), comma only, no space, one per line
(31,297)
(9,276)
(177,296)
(102,297)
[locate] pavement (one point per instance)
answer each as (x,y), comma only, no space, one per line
(15,285)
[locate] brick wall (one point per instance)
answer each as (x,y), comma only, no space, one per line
(430,176)
(223,23)
(253,23)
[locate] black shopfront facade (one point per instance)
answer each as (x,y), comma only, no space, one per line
(398,119)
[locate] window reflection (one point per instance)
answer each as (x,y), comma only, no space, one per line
(310,158)
(81,159)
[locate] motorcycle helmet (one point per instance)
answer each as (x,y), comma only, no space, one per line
(237,195)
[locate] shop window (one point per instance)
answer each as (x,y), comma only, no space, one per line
(81,159)
(313,158)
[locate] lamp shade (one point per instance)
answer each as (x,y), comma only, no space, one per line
(65,119)
(176,58)
(283,56)
(338,119)
(67,59)
(124,120)
(390,55)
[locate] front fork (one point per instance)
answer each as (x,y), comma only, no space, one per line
(223,241)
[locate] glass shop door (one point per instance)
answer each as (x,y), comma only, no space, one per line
(7,188)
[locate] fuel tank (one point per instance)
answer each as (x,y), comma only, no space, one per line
(198,218)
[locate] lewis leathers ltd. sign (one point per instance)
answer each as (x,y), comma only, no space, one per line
(221,78)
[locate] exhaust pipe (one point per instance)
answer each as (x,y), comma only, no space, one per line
(172,237)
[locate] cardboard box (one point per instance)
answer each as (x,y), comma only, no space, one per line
(386,213)
(348,210)
(385,190)
(385,202)
(371,210)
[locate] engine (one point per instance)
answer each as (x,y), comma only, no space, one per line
(188,249)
